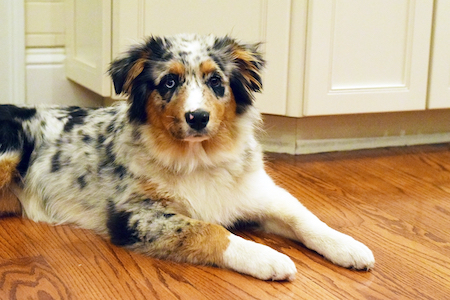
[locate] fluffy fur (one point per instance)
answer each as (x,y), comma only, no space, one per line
(166,172)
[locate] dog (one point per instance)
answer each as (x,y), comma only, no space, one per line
(168,171)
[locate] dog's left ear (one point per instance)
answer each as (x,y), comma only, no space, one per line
(245,76)
(250,63)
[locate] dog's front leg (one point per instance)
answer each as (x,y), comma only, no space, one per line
(163,234)
(282,214)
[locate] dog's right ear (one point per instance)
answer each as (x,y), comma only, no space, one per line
(132,74)
(124,71)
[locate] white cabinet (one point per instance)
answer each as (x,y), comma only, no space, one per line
(367,56)
(439,88)
(324,56)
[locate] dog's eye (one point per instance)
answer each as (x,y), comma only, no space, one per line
(215,81)
(170,81)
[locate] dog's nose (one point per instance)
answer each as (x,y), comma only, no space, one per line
(197,119)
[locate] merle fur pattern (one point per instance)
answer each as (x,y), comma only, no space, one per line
(76,164)
(141,175)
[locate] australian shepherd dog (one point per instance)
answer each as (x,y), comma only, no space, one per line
(168,171)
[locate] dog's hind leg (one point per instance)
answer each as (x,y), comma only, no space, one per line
(8,167)
(159,233)
(9,204)
(11,147)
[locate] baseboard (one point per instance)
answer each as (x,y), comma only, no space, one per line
(307,147)
(353,132)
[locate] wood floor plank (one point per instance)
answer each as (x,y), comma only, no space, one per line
(395,200)
(30,278)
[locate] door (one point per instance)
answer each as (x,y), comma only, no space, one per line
(439,88)
(367,56)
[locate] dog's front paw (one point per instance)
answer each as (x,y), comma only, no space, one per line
(258,260)
(347,252)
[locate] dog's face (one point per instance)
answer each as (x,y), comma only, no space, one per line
(189,87)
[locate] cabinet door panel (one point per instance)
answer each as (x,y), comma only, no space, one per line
(248,20)
(88,44)
(367,56)
(439,88)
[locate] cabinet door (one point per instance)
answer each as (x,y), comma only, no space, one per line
(248,20)
(439,88)
(88,44)
(367,56)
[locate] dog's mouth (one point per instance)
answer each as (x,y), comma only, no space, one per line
(196,138)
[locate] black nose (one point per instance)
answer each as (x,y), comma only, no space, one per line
(197,119)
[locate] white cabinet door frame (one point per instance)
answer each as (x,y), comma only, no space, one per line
(367,56)
(439,87)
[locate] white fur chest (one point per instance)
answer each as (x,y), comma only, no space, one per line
(214,196)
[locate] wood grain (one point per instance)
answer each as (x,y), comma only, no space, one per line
(397,201)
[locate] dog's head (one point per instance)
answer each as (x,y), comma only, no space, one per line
(189,87)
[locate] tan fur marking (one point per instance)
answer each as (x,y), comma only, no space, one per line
(9,204)
(134,72)
(246,57)
(198,242)
(164,125)
(205,243)
(8,169)
(177,68)
(208,67)
(151,190)
(225,137)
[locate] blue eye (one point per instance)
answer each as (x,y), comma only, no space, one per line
(170,81)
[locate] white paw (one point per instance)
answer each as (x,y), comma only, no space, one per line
(258,260)
(347,252)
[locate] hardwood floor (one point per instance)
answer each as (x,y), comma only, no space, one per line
(396,201)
